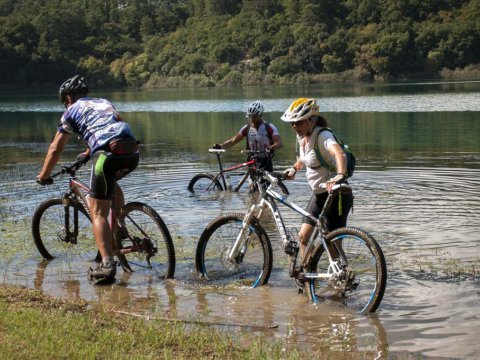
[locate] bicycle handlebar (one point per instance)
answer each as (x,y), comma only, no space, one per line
(340,187)
(276,177)
(216,151)
(257,154)
(70,169)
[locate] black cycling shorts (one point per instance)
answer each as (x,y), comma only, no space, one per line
(336,216)
(107,168)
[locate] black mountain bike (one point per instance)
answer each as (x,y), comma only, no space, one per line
(61,227)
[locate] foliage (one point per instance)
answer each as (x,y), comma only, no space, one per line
(225,42)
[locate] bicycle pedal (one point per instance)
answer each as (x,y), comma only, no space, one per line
(297,273)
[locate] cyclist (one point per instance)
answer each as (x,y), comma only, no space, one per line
(114,151)
(304,117)
(260,136)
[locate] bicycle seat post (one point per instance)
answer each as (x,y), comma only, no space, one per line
(219,162)
(221,170)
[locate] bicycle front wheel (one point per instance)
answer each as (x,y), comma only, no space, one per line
(63,229)
(204,183)
(253,263)
(363,280)
(145,241)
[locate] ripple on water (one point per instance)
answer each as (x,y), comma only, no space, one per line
(426,220)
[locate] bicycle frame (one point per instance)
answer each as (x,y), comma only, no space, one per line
(222,170)
(268,197)
(78,191)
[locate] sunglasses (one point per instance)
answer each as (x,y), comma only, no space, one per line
(298,123)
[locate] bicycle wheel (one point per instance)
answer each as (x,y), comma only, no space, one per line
(365,276)
(252,267)
(54,239)
(202,183)
(145,241)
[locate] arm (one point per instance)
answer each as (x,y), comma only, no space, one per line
(290,172)
(340,158)
(234,140)
(277,143)
(53,155)
(341,161)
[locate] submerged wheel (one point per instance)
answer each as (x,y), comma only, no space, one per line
(204,183)
(362,285)
(253,265)
(145,241)
(63,231)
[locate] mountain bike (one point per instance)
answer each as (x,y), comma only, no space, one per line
(61,227)
(345,265)
(206,182)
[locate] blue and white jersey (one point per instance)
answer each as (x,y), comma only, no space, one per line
(95,120)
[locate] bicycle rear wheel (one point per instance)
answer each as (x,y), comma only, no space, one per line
(365,276)
(145,241)
(54,239)
(252,267)
(204,183)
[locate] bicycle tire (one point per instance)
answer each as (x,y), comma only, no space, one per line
(204,183)
(365,287)
(50,235)
(253,269)
(145,234)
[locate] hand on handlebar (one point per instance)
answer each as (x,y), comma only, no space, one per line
(83,158)
(217,146)
(290,173)
(337,179)
(44,182)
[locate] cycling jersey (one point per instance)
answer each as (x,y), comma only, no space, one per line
(317,174)
(96,121)
(258,140)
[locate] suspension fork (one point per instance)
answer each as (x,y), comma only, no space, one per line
(242,237)
(70,236)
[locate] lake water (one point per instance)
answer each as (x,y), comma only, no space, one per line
(416,190)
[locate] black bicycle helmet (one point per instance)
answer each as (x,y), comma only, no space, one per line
(73,86)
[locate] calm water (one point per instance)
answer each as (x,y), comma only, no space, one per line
(416,191)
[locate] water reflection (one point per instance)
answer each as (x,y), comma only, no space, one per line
(398,97)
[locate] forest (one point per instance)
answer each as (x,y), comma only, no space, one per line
(166,43)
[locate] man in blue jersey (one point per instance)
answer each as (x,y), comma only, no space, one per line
(114,151)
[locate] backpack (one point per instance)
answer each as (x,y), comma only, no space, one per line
(269,133)
(351,160)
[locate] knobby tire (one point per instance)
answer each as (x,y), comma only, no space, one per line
(364,257)
(145,232)
(204,183)
(217,239)
(51,236)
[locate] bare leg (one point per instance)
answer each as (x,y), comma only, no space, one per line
(99,210)
(304,234)
(118,199)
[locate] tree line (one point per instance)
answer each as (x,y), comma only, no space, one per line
(227,42)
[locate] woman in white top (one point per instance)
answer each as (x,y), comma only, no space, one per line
(304,116)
